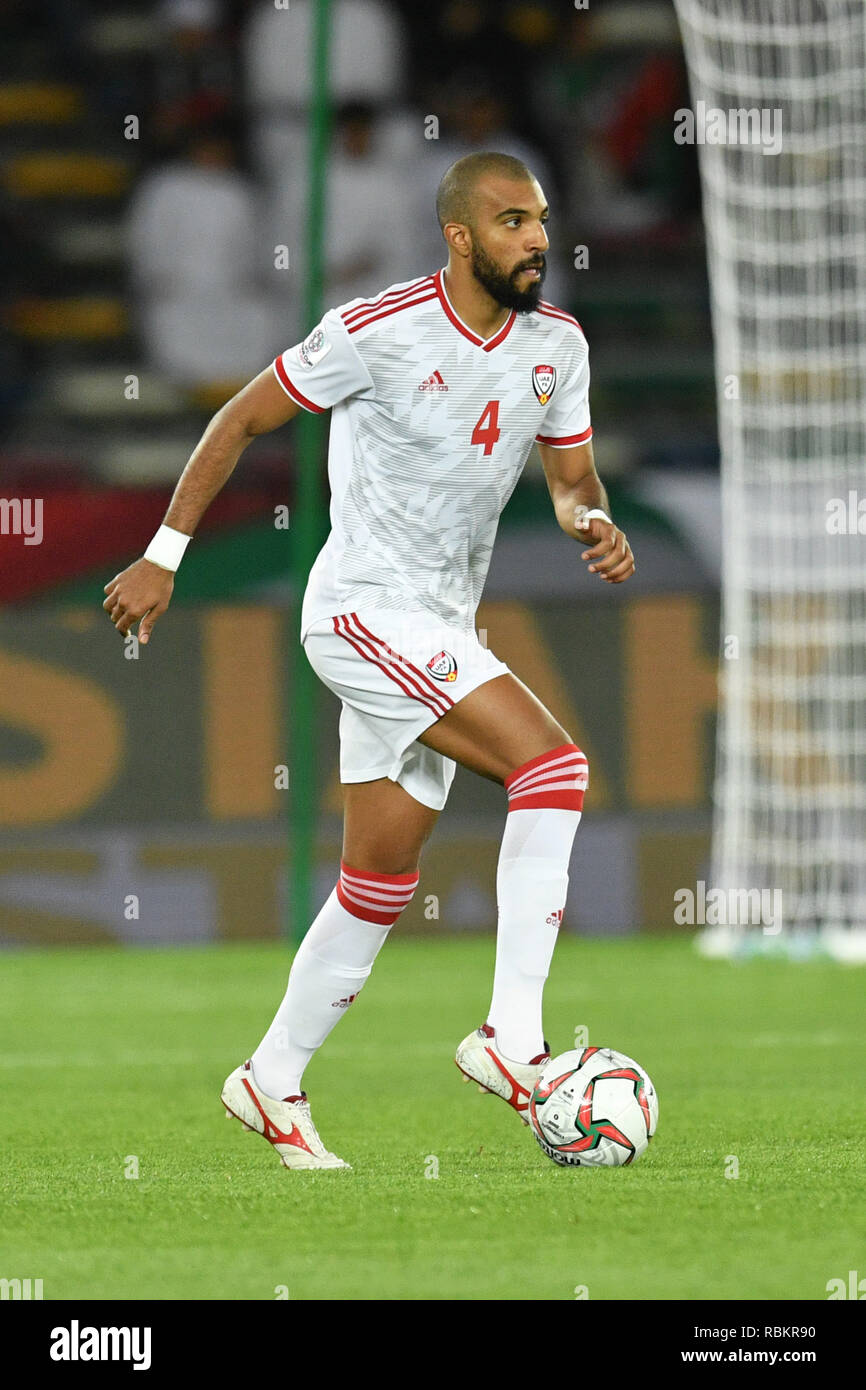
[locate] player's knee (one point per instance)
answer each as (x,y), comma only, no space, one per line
(385,859)
(556,778)
(400,867)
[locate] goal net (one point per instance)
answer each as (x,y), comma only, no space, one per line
(779,116)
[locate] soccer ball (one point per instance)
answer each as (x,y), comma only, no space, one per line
(593,1108)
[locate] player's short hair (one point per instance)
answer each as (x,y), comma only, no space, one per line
(454,197)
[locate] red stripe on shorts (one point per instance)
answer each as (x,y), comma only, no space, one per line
(408,684)
(406,665)
(376,650)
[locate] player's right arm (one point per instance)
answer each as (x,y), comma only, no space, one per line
(143,590)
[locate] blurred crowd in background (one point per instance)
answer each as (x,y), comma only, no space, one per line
(155,162)
(154,250)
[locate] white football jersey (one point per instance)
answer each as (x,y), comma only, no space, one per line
(430,431)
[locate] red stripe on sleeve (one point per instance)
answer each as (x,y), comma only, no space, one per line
(292,390)
(564,442)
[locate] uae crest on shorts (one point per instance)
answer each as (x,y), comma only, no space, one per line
(442,667)
(543,382)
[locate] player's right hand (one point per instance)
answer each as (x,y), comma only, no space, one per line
(143,591)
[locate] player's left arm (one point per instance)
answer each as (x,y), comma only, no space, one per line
(575,488)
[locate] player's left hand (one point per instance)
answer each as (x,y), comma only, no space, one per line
(610,556)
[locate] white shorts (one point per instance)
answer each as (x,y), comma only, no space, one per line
(396,674)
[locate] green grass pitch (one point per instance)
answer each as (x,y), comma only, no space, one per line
(110,1055)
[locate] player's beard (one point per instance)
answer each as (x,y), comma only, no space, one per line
(502,286)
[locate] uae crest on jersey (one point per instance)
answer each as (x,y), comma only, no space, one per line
(442,667)
(543,382)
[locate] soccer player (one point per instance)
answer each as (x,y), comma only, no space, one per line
(438,388)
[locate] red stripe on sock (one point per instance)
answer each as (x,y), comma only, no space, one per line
(375,897)
(556,779)
(554,801)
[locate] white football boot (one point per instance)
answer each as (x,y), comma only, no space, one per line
(284,1123)
(480,1060)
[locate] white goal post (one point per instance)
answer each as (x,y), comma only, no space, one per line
(778,90)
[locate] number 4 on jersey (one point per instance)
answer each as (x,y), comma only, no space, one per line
(487,429)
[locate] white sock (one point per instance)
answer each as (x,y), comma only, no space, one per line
(330,967)
(545,799)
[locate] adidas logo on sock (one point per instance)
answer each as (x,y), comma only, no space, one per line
(343,1003)
(433,383)
(555,918)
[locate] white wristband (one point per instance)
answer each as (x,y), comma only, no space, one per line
(594,511)
(167,547)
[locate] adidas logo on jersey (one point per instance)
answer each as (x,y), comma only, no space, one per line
(433,383)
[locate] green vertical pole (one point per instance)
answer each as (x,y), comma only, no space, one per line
(307,522)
